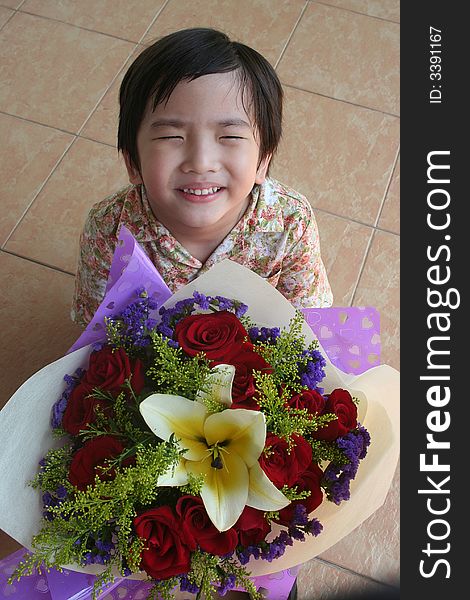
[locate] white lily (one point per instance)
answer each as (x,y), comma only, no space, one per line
(224,447)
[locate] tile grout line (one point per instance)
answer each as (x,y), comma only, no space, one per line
(77,135)
(36,262)
(115,37)
(375,227)
(291,34)
(93,110)
(376,110)
(387,187)
(352,572)
(355,12)
(9,18)
(361,270)
(39,190)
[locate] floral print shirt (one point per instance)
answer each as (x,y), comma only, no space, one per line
(277,238)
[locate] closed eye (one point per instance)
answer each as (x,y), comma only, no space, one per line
(169,137)
(233,137)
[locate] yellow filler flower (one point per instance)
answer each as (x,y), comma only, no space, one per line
(224,447)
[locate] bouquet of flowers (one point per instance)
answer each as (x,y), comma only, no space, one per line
(197,444)
(186,441)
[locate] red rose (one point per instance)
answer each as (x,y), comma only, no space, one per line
(308,480)
(214,334)
(109,368)
(312,400)
(93,454)
(166,554)
(243,387)
(340,403)
(198,526)
(80,409)
(252,527)
(281,466)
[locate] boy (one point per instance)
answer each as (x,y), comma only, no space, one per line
(200,120)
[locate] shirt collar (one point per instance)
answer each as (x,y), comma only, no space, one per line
(138,217)
(263,215)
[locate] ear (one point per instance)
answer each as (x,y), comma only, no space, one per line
(132,171)
(263,169)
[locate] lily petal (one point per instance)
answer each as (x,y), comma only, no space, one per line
(166,414)
(219,385)
(174,476)
(224,491)
(243,430)
(262,493)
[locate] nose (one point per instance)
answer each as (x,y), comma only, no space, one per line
(201,156)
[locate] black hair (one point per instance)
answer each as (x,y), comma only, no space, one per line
(186,55)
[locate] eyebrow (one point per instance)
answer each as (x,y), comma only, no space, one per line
(179,124)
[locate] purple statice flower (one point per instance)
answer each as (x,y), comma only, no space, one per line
(202,301)
(187,586)
(300,516)
(224,303)
(337,478)
(51,500)
(264,335)
(135,320)
(240,309)
(312,373)
(269,551)
(61,492)
(314,527)
(60,405)
(99,550)
(170,316)
(227,584)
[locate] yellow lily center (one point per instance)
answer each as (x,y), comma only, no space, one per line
(216,450)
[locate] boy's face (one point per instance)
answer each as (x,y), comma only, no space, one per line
(199,157)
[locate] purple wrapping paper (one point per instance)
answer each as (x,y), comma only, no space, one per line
(350,336)
(130,270)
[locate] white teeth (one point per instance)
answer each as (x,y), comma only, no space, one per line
(201,192)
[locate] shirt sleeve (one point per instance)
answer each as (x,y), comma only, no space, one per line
(94,261)
(303,279)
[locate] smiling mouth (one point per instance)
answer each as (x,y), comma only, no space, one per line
(201,191)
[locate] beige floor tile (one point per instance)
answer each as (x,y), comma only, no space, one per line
(373,548)
(345,55)
(103,123)
(50,230)
(340,156)
(343,247)
(390,215)
(34,312)
(11,3)
(28,154)
(5,14)
(127,19)
(57,74)
(385,9)
(321,581)
(262,24)
(379,286)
